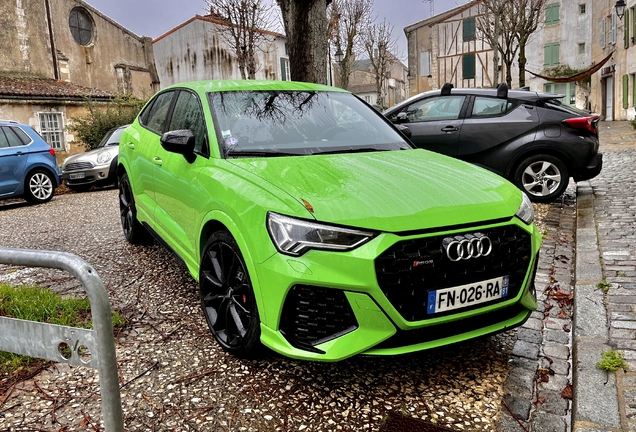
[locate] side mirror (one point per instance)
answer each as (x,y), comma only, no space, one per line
(181,142)
(401,117)
(405,130)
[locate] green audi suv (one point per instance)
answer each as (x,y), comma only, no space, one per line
(316,229)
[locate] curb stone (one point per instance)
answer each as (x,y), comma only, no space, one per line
(595,398)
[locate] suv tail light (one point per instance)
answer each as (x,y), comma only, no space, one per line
(585,123)
(52,151)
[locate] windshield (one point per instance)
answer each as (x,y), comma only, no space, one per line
(270,123)
(111,137)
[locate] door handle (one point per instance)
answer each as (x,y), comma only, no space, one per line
(19,153)
(449,129)
(157,161)
(130,145)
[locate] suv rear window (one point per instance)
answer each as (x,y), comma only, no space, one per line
(557,104)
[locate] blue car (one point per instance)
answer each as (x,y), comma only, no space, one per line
(28,168)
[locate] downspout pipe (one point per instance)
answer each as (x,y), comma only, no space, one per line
(56,72)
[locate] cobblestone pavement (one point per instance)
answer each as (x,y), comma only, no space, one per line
(606,318)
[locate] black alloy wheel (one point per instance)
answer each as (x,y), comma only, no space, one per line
(134,232)
(227,297)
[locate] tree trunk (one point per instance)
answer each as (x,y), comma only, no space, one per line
(495,58)
(522,64)
(509,73)
(306,30)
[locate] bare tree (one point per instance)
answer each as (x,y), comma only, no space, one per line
(530,13)
(306,30)
(497,25)
(347,17)
(379,46)
(507,26)
(246,20)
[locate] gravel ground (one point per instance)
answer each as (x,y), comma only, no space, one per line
(175,378)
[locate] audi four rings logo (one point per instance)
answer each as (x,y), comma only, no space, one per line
(467,246)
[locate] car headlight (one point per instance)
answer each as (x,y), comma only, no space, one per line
(293,236)
(103,157)
(526,211)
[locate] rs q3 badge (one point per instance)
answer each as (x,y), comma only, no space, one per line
(467,246)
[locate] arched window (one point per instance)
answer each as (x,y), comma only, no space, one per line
(81,25)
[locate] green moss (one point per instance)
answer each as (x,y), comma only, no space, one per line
(612,361)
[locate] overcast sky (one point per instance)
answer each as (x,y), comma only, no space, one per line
(155,17)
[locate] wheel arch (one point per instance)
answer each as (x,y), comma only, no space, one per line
(217,220)
(45,168)
(547,150)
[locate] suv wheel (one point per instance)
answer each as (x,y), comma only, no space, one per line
(227,297)
(134,232)
(542,177)
(39,187)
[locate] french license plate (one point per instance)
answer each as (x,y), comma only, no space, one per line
(462,296)
(77,176)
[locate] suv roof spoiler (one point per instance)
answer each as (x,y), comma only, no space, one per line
(546,96)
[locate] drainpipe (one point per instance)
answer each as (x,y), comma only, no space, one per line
(56,72)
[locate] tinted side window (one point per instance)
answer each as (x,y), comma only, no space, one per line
(437,108)
(188,114)
(12,138)
(26,139)
(158,112)
(490,107)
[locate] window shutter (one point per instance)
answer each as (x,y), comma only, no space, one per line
(468,66)
(555,54)
(634,26)
(634,90)
(626,28)
(547,54)
(469,29)
(625,91)
(283,72)
(425,63)
(603,32)
(552,13)
(613,29)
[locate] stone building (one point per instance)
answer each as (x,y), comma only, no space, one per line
(197,50)
(53,53)
(447,48)
(394,89)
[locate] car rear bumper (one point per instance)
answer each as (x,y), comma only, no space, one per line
(593,168)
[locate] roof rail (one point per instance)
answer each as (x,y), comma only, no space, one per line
(446,89)
(502,91)
(9,121)
(526,88)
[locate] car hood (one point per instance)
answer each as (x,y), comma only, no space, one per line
(390,191)
(91,155)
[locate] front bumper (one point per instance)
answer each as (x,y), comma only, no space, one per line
(592,169)
(302,317)
(101,174)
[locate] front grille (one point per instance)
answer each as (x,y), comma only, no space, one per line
(427,334)
(313,315)
(74,166)
(406,285)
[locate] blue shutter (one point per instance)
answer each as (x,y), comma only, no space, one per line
(283,71)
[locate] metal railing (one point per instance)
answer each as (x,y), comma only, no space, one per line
(69,344)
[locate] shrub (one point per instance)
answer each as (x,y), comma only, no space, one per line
(91,128)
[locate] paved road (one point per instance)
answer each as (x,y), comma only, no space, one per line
(176,377)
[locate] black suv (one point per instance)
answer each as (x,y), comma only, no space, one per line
(530,138)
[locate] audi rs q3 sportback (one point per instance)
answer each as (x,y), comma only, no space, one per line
(28,168)
(315,228)
(532,139)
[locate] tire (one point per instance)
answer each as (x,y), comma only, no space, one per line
(227,297)
(39,187)
(79,188)
(134,232)
(542,177)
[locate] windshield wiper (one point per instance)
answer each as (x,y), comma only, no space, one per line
(358,150)
(248,153)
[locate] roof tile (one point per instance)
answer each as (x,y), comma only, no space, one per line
(13,86)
